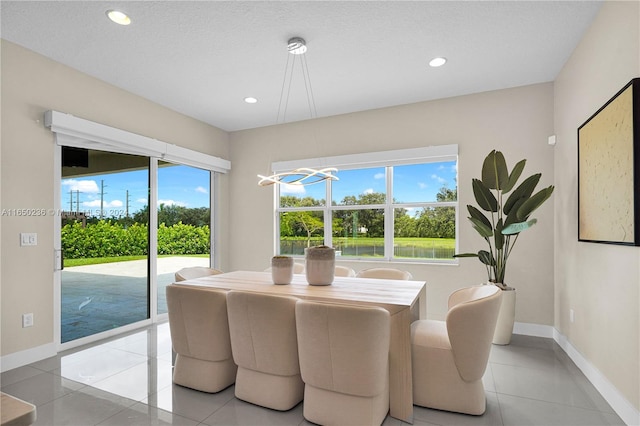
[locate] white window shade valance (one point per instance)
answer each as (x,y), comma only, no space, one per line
(81,133)
(374,159)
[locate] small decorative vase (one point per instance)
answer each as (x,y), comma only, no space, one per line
(282,269)
(320,265)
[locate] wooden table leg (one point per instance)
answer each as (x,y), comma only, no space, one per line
(400,375)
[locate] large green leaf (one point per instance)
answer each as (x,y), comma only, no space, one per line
(514,176)
(486,258)
(522,192)
(479,215)
(534,202)
(484,197)
(466,255)
(516,228)
(498,237)
(494,171)
(484,230)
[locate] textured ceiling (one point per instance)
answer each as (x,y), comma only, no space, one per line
(202,58)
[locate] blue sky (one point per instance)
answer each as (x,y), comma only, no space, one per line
(177,185)
(412,183)
(189,187)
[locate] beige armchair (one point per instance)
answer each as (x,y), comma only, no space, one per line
(193,272)
(200,338)
(344,271)
(450,357)
(265,348)
(385,273)
(344,361)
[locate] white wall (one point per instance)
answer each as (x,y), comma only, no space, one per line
(599,282)
(516,121)
(32,84)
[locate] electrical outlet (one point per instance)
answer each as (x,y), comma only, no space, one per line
(27,320)
(572,316)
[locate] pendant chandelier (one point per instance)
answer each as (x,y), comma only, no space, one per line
(304,175)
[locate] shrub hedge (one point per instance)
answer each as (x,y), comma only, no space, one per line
(107,239)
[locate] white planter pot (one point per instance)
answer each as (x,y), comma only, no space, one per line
(506,318)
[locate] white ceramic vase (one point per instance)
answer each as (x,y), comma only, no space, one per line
(506,318)
(282,269)
(320,265)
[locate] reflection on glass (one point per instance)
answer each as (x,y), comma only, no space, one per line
(359,233)
(299,230)
(359,187)
(428,233)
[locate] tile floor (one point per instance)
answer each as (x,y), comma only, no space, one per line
(127,381)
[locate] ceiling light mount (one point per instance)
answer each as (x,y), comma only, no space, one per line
(296,46)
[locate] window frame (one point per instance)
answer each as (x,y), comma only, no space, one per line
(388,160)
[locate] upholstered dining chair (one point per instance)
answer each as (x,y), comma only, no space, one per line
(385,273)
(344,271)
(344,361)
(193,272)
(450,357)
(265,348)
(200,337)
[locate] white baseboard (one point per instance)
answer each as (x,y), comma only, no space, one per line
(623,408)
(19,359)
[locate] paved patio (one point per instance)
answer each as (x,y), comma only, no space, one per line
(97,298)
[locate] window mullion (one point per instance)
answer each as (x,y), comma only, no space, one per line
(328,216)
(388,215)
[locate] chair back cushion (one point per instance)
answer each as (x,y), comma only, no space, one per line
(198,322)
(385,274)
(263,332)
(343,348)
(471,322)
(344,271)
(193,272)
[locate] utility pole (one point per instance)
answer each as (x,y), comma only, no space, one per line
(77,201)
(102,186)
(127,205)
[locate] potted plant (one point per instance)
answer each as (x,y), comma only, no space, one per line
(507,216)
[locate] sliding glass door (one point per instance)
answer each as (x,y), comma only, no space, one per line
(184,222)
(105,242)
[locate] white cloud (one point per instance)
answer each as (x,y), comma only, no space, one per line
(106,204)
(379,176)
(422,185)
(84,186)
(142,200)
(368,191)
(202,190)
(292,189)
(439,179)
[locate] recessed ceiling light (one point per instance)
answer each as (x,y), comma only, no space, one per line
(250,100)
(119,17)
(437,62)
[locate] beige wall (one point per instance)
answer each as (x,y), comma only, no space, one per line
(32,84)
(599,282)
(515,121)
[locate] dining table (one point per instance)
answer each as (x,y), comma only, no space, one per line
(405,300)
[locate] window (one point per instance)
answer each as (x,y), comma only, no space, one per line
(394,205)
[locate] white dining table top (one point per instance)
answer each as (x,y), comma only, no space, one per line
(379,292)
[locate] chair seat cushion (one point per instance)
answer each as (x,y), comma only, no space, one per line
(430,333)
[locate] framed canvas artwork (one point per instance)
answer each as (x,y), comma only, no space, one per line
(609,171)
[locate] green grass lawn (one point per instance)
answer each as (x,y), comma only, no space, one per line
(98,260)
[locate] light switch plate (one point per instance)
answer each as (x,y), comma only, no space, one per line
(28,239)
